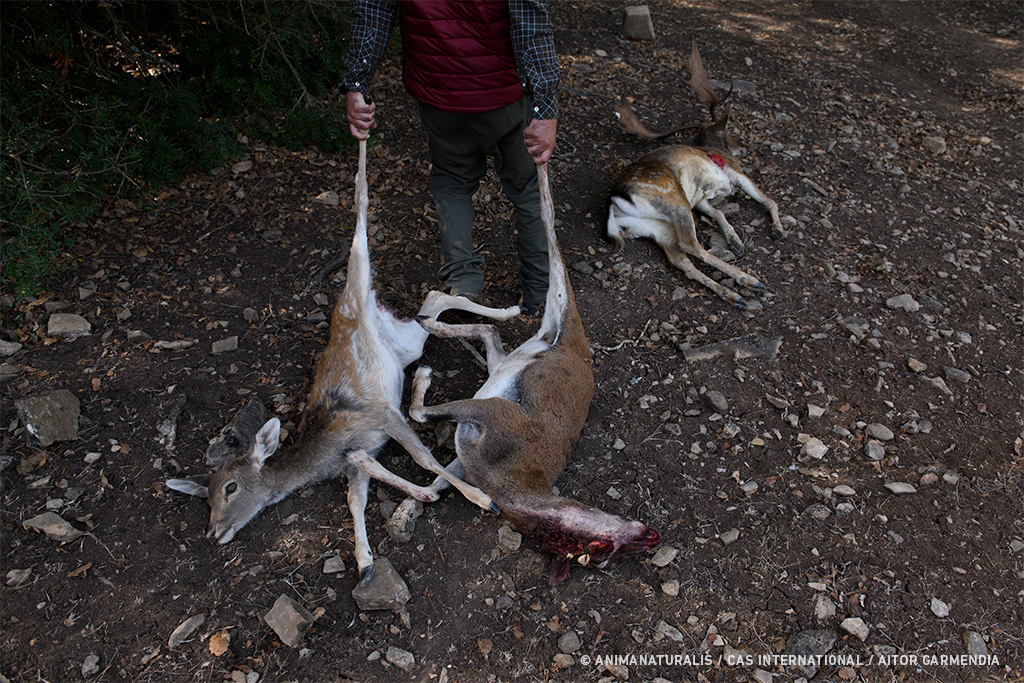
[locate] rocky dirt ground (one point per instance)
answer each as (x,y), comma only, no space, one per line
(851,489)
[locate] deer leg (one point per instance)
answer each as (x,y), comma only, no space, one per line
(374,469)
(755,193)
(487,334)
(680,260)
(437,302)
(358,486)
(735,243)
(686,239)
(399,430)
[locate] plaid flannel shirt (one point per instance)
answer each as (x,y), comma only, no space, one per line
(532,40)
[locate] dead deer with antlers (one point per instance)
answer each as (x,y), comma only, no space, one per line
(515,435)
(656,196)
(352,411)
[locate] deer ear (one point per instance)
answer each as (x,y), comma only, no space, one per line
(194,486)
(267,440)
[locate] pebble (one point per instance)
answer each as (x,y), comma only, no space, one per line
(334,565)
(289,619)
(619,444)
(855,626)
(915,365)
(904,302)
(620,672)
(879,431)
(67,326)
(824,608)
(569,642)
(402,523)
(818,512)
(814,411)
(402,659)
(939,384)
(225,345)
(91,665)
(716,401)
(613,493)
(975,644)
(670,588)
(934,145)
(730,536)
(957,374)
(563,661)
(509,540)
(843,490)
(50,417)
(54,526)
(385,591)
(899,487)
(809,647)
(814,449)
(16,577)
(939,608)
(9,348)
(664,555)
(874,449)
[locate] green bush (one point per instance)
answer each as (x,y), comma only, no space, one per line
(105,99)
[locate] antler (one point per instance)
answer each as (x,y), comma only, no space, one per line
(630,122)
(700,84)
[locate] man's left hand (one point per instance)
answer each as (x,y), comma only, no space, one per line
(539,137)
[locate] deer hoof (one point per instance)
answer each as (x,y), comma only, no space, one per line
(737,248)
(366,575)
(756,286)
(495,509)
(778,234)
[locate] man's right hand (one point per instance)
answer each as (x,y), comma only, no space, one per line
(360,115)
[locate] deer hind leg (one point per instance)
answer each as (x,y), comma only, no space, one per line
(437,302)
(374,469)
(399,430)
(487,334)
(358,486)
(735,243)
(755,193)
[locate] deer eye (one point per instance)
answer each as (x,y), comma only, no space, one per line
(230,488)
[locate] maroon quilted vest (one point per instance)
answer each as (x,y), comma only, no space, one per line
(457,56)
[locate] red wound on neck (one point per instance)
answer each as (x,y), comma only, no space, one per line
(717,158)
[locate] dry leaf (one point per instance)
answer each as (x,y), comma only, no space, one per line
(485,646)
(219,642)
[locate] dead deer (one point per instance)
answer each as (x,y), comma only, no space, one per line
(656,196)
(516,433)
(353,409)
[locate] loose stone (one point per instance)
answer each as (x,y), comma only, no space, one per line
(879,431)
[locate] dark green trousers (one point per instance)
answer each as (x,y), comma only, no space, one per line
(459,146)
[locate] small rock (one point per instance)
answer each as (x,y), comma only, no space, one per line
(400,658)
(730,536)
(813,449)
(824,608)
(67,326)
(809,647)
(563,661)
(939,384)
(716,401)
(386,590)
(583,267)
(951,478)
(670,588)
(879,431)
(975,644)
(251,315)
(939,608)
(225,345)
(619,671)
(814,412)
(334,565)
(402,524)
(637,24)
(818,512)
(569,642)
(855,626)
(289,619)
(619,444)
(899,487)
(843,490)
(91,665)
(874,450)
(50,417)
(613,493)
(242,166)
(509,540)
(904,302)
(328,198)
(934,145)
(9,348)
(929,479)
(184,630)
(669,631)
(915,365)
(664,555)
(54,526)
(957,374)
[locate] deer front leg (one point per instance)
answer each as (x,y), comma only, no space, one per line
(358,486)
(374,469)
(755,193)
(735,243)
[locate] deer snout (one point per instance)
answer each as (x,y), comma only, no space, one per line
(222,532)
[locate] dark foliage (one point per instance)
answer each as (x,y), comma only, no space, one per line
(108,100)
